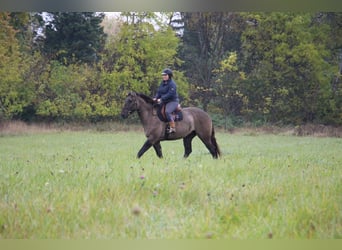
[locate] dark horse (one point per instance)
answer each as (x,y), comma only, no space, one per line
(195,122)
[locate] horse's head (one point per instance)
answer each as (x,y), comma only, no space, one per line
(131,105)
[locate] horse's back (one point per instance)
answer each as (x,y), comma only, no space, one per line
(197,116)
(196,112)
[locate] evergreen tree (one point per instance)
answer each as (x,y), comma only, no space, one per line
(74,37)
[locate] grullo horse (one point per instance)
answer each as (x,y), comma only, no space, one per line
(195,122)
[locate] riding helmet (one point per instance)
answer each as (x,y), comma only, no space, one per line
(168,72)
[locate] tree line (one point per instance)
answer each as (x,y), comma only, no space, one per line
(276,67)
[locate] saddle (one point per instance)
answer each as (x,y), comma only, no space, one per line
(177,114)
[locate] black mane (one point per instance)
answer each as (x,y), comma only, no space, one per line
(146,98)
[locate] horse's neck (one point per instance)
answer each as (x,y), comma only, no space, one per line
(145,113)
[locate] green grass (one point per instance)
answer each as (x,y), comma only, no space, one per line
(90,185)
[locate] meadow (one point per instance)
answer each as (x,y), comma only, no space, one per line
(90,185)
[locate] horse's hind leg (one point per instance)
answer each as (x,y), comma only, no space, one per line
(187,143)
(158,149)
(207,142)
(211,149)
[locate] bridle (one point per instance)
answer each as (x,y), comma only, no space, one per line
(135,103)
(135,107)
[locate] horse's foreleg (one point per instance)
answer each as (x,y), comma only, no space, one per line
(144,148)
(158,149)
(187,144)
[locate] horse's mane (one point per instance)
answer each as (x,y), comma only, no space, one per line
(146,98)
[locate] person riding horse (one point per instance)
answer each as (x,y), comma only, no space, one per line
(167,94)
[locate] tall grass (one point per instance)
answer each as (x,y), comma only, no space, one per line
(90,185)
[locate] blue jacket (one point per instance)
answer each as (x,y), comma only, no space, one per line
(167,92)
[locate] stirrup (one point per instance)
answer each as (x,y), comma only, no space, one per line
(171,130)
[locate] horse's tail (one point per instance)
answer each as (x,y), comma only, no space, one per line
(214,142)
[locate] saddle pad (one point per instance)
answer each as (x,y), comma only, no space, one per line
(177,115)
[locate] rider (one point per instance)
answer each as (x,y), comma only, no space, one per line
(167,94)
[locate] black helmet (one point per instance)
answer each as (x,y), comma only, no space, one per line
(167,72)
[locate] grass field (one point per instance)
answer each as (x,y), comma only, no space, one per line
(81,185)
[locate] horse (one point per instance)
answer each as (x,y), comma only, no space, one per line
(195,122)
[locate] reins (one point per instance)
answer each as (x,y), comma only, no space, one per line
(154,105)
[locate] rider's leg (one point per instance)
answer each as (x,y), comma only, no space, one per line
(170,107)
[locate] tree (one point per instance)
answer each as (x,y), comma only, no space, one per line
(74,37)
(14,92)
(229,86)
(72,92)
(331,112)
(134,59)
(285,59)
(28,26)
(207,38)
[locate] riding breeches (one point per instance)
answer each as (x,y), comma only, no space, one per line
(170,107)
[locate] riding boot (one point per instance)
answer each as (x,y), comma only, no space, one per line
(172,127)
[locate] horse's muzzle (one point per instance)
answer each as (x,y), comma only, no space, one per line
(125,113)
